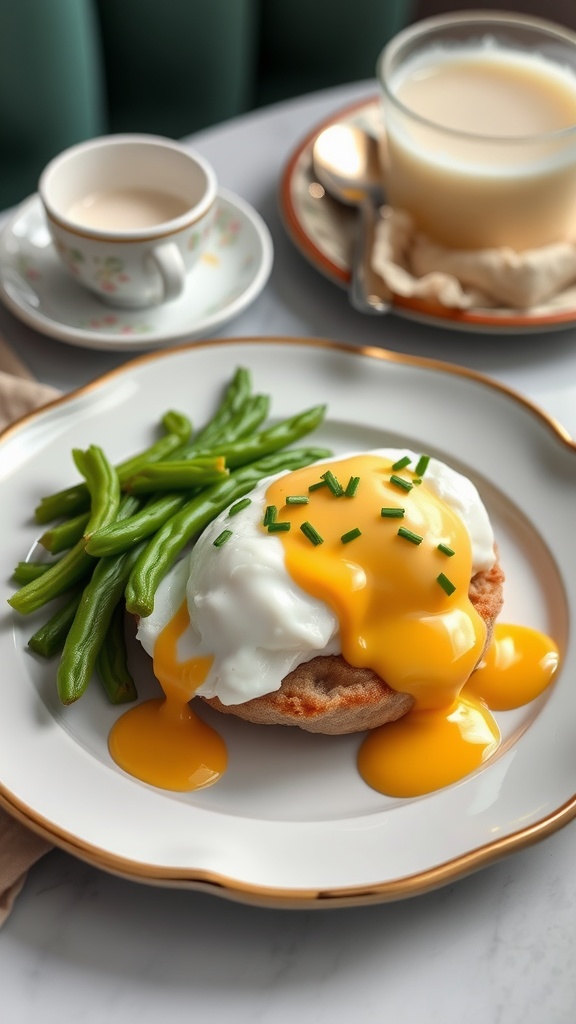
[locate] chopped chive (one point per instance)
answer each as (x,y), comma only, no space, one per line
(333,484)
(417,481)
(238,506)
(316,487)
(422,465)
(222,538)
(392,513)
(414,538)
(446,550)
(297,499)
(311,534)
(352,486)
(277,527)
(399,482)
(351,535)
(270,515)
(402,462)
(446,584)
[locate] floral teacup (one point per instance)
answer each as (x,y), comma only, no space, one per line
(129,215)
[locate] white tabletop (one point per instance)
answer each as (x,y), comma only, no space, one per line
(498,947)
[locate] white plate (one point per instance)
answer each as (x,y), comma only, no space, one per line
(291,823)
(37,289)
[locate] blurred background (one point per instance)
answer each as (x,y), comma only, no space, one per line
(73,69)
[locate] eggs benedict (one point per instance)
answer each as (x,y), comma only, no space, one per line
(357,594)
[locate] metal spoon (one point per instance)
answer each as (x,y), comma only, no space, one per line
(346,163)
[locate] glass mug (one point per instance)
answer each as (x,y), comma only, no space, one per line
(480,129)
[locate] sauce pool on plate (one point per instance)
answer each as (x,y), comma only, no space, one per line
(163,741)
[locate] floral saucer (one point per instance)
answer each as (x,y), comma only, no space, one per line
(37,289)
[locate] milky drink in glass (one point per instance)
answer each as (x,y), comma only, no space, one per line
(481,142)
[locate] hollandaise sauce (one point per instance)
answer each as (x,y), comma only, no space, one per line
(163,741)
(394,562)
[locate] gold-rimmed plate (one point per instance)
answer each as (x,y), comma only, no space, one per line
(291,824)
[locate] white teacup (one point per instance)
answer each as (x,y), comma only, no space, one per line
(129,215)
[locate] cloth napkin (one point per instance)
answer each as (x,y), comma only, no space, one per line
(20,848)
(411,264)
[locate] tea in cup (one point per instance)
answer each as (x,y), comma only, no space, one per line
(129,215)
(480,121)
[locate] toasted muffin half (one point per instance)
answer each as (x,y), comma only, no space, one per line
(327,695)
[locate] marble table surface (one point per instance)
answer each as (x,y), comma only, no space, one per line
(498,947)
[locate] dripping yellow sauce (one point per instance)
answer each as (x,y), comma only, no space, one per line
(395,618)
(162,741)
(425,751)
(516,669)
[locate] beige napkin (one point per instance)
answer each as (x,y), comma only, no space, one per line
(411,264)
(19,392)
(19,847)
(19,850)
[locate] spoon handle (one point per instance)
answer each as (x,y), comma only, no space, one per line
(368,293)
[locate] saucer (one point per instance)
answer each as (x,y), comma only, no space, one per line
(37,289)
(324,231)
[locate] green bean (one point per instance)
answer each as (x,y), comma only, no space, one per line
(246,421)
(49,639)
(162,550)
(123,533)
(101,480)
(179,429)
(186,475)
(104,488)
(61,575)
(75,499)
(249,449)
(235,395)
(87,633)
(26,571)
(112,662)
(60,538)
